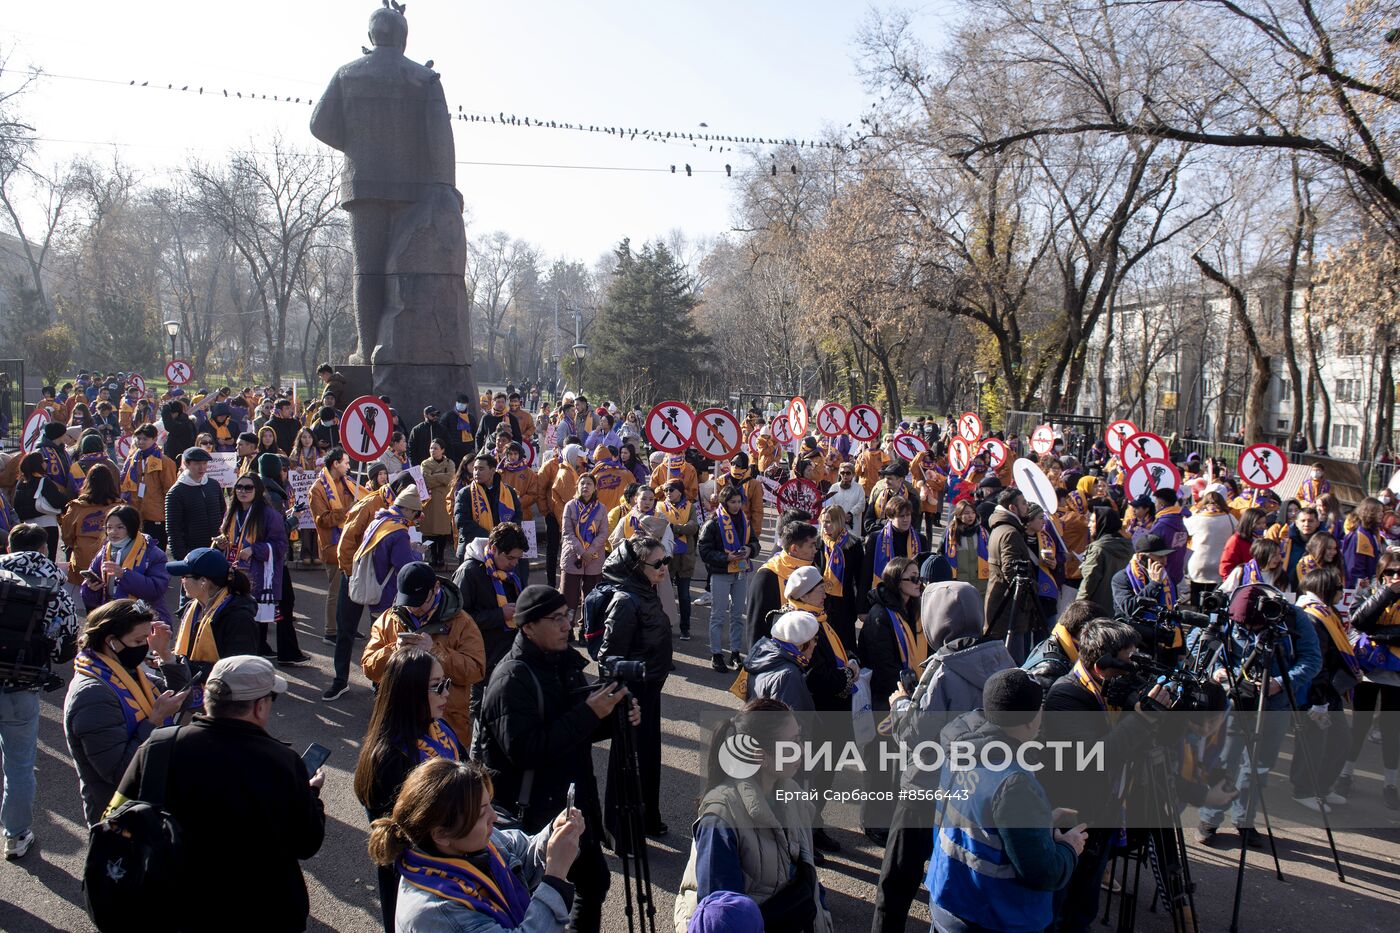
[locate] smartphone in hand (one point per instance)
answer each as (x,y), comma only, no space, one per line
(315,756)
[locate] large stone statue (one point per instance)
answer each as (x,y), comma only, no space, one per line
(389,117)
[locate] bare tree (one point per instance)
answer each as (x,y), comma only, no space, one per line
(271,203)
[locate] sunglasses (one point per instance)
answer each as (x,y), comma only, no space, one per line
(442,686)
(242,488)
(910,580)
(659,564)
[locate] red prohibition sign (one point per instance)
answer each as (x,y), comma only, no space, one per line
(970,427)
(996,452)
(178,372)
(1116,433)
(1043,439)
(863,423)
(665,429)
(1261,465)
(365,419)
(909,446)
(797,416)
(1142,446)
(959,455)
(831,419)
(782,431)
(717,433)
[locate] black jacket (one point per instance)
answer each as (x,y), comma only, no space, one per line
(28,490)
(242,800)
(765,595)
(180,430)
(421,438)
(711,547)
(286,430)
(556,743)
(490,422)
(193,515)
(479,601)
(1368,612)
(636,627)
(235,629)
(878,648)
(1126,737)
(468,529)
(897,546)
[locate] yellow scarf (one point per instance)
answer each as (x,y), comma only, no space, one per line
(133,553)
(835,565)
(832,639)
(913,649)
(385,525)
(1061,635)
(481,505)
(783,564)
(1337,631)
(223,434)
(196,639)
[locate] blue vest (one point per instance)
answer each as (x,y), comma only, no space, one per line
(969,873)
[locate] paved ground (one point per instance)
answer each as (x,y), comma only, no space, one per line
(43,892)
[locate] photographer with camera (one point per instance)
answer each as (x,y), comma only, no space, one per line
(636,629)
(1266,638)
(1106,648)
(539,720)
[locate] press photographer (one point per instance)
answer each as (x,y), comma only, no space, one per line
(1266,638)
(539,720)
(1106,648)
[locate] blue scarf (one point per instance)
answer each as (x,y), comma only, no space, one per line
(884,548)
(439,742)
(500,894)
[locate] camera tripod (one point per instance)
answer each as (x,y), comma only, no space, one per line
(630,842)
(1165,849)
(1021,589)
(1267,651)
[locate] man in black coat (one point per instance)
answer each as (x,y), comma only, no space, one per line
(423,433)
(242,798)
(539,722)
(504,549)
(285,425)
(194,506)
(180,428)
(800,546)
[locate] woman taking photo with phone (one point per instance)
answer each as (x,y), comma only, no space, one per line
(114,701)
(457,872)
(405,729)
(129,564)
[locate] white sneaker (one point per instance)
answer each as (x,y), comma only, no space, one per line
(1335,799)
(17,846)
(1311,803)
(702,600)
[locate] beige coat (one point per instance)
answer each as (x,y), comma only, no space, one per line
(437,516)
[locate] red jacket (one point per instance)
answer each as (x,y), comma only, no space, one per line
(1236,553)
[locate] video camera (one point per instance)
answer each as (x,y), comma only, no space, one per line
(621,669)
(1020,569)
(1187,691)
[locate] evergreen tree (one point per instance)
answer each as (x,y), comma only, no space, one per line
(645,345)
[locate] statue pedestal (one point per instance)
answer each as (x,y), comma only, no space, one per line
(423,355)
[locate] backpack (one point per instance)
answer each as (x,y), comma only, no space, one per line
(365,588)
(25,645)
(134,854)
(595,614)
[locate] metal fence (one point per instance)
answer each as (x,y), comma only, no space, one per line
(12,407)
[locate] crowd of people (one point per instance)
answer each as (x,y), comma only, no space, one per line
(912,587)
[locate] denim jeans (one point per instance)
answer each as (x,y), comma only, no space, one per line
(1239,737)
(19,740)
(729,597)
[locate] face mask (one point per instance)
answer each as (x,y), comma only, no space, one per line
(129,657)
(326,424)
(460,407)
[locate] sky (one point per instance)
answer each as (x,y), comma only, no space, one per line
(756,68)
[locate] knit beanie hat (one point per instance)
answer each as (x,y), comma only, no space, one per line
(1011,697)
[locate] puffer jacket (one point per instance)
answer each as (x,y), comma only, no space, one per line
(774,674)
(636,626)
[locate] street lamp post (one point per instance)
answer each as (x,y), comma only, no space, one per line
(979,377)
(172,330)
(580,350)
